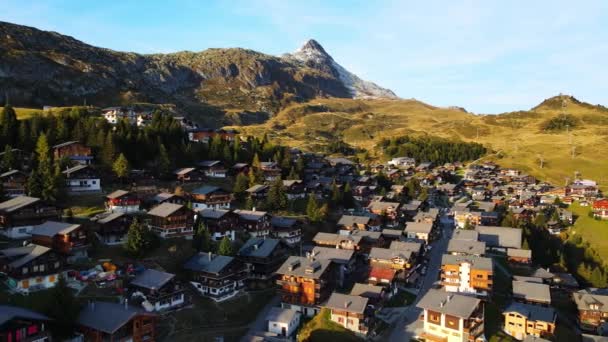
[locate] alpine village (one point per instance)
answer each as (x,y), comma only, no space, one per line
(134,222)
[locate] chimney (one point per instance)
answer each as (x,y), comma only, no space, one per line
(126,303)
(346,304)
(253,209)
(209,255)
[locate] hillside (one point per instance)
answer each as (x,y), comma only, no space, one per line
(215,86)
(519,138)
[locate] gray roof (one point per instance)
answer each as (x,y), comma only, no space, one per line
(389,254)
(304,267)
(333,254)
(367,290)
(349,220)
(594,338)
(163,196)
(10,173)
(332,238)
(117,194)
(208,163)
(381,205)
(528,279)
(477,262)
(17,203)
(26,254)
(110,217)
(152,279)
(532,338)
(283,222)
(67,143)
(349,303)
(281,315)
(205,189)
(519,253)
(250,215)
(449,303)
(75,169)
(208,263)
(466,247)
(500,236)
(213,213)
(257,188)
(392,232)
(52,228)
(164,209)
(9,312)
(183,170)
(259,247)
(584,299)
(464,234)
(406,246)
(418,227)
(366,234)
(107,317)
(533,312)
(534,292)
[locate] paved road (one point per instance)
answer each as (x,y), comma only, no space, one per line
(260,322)
(407,325)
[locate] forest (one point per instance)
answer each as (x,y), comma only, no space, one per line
(431,149)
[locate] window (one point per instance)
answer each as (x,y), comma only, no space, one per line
(36,268)
(57,264)
(25,270)
(479,276)
(349,322)
(340,319)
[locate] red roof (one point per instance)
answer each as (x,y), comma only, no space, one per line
(600,204)
(382,273)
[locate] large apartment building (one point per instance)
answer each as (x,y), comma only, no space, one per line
(467,274)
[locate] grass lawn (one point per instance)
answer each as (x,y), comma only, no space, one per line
(85,205)
(593,231)
(322,329)
(402,298)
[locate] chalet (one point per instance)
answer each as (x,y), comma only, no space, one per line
(338,241)
(464,217)
(287,229)
(500,237)
(220,223)
(368,240)
(382,276)
(73,150)
(524,320)
(427,216)
(519,256)
(391,258)
(106,321)
(592,309)
(262,257)
(466,235)
(189,174)
(111,228)
(258,191)
(165,197)
(134,117)
(350,311)
(271,170)
(257,223)
(283,322)
(13,183)
(390,209)
(402,162)
(467,274)
(375,294)
(205,135)
(418,231)
(305,283)
(212,168)
(362,193)
(531,293)
(169,220)
(451,317)
(19,324)
(349,222)
(30,268)
(210,197)
(67,239)
(294,189)
(122,201)
(218,277)
(81,178)
(158,290)
(20,214)
(239,168)
(411,208)
(600,209)
(392,234)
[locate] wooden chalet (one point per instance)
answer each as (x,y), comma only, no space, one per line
(20,214)
(294,189)
(30,268)
(257,223)
(210,197)
(19,324)
(218,277)
(219,222)
(262,257)
(112,228)
(123,201)
(271,170)
(73,150)
(68,239)
(106,321)
(158,290)
(213,168)
(287,229)
(169,220)
(189,174)
(13,183)
(82,178)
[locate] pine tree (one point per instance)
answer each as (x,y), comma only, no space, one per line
(8,160)
(323,212)
(300,165)
(202,239)
(108,152)
(241,184)
(236,147)
(34,184)
(121,166)
(136,239)
(540,220)
(256,161)
(63,309)
(225,247)
(8,125)
(249,203)
(508,220)
(348,199)
(277,199)
(336,194)
(44,171)
(164,163)
(312,209)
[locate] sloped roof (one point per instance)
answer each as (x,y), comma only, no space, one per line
(532,312)
(477,262)
(333,254)
(466,247)
(304,267)
(17,203)
(117,194)
(9,312)
(164,209)
(213,213)
(449,303)
(349,303)
(108,317)
(205,190)
(367,290)
(281,315)
(348,220)
(258,247)
(500,236)
(532,291)
(418,227)
(388,254)
(26,254)
(208,263)
(52,228)
(152,279)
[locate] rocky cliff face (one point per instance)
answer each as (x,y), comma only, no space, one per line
(46,68)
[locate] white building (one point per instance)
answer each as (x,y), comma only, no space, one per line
(81,178)
(402,162)
(283,322)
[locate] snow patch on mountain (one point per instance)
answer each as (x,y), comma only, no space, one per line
(312,53)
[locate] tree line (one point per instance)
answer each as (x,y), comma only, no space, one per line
(431,149)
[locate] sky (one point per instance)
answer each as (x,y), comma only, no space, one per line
(486,56)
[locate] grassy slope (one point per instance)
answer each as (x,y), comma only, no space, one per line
(518,135)
(594,231)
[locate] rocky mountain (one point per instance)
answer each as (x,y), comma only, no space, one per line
(216,86)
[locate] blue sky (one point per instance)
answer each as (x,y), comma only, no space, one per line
(486,56)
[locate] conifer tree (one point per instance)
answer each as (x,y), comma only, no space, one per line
(202,239)
(108,152)
(8,159)
(63,309)
(121,166)
(136,239)
(277,199)
(225,247)
(241,184)
(164,164)
(312,209)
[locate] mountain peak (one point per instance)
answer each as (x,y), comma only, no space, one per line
(312,46)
